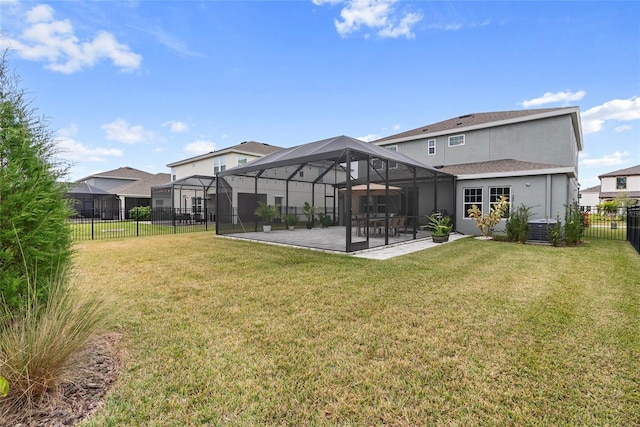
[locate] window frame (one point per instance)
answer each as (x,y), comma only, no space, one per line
(378,164)
(431,144)
(466,205)
(494,197)
(456,144)
(621,182)
(219,164)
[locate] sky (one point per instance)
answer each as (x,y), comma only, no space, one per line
(146,83)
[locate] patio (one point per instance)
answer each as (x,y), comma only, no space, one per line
(331,239)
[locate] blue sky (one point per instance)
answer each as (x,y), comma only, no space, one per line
(146,83)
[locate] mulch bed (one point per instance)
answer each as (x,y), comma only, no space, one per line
(79,395)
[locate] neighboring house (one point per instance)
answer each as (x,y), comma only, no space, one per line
(220,160)
(192,185)
(115,178)
(623,182)
(138,193)
(530,156)
(131,187)
(590,197)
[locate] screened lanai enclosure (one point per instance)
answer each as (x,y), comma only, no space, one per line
(361,195)
(184,201)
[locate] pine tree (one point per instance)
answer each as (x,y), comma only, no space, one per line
(35,239)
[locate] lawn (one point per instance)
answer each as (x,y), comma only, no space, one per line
(473,333)
(103,230)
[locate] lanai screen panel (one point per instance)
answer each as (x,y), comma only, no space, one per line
(338,162)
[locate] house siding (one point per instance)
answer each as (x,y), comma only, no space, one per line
(550,140)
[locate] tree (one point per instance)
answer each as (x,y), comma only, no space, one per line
(35,239)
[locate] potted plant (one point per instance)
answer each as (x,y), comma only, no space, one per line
(267,213)
(325,220)
(309,211)
(441,226)
(290,221)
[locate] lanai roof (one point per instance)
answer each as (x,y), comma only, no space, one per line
(326,150)
(84,188)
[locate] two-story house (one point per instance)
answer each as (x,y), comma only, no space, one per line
(530,156)
(623,182)
(192,186)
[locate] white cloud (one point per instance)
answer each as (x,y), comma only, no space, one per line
(615,159)
(176,126)
(54,41)
(369,138)
(200,146)
(554,98)
(379,15)
(623,128)
(169,41)
(70,149)
(120,130)
(594,119)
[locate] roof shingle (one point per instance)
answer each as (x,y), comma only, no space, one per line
(468,120)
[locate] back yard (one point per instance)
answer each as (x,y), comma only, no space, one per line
(224,332)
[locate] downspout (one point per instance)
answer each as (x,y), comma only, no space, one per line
(549,194)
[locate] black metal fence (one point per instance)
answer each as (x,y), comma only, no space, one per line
(604,224)
(116,223)
(633,226)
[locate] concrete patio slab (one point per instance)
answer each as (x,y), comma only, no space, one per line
(332,239)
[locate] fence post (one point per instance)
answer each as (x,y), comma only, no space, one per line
(92,214)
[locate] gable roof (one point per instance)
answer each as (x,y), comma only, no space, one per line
(594,189)
(125,172)
(474,121)
(247,147)
(504,167)
(633,170)
(142,187)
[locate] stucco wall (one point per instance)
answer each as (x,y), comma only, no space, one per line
(546,195)
(548,140)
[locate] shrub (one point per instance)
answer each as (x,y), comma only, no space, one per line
(487,222)
(140,213)
(573,226)
(34,234)
(555,232)
(517,227)
(38,340)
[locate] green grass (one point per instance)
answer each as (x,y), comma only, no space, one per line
(473,333)
(105,230)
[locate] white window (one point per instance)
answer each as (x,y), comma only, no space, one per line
(242,161)
(456,140)
(196,204)
(621,183)
(219,164)
(472,196)
(495,193)
(379,164)
(431,147)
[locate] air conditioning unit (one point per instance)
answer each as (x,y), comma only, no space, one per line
(539,229)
